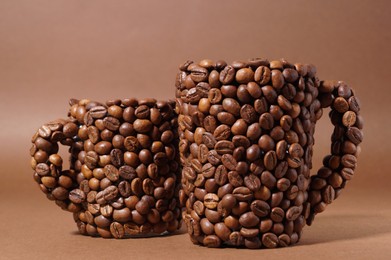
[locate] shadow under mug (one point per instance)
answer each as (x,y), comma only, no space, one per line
(246,142)
(123,177)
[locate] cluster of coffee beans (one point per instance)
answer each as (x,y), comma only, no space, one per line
(246,139)
(124,174)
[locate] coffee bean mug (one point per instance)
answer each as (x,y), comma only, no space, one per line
(123,177)
(246,140)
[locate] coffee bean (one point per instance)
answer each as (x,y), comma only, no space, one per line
(262,75)
(235,179)
(269,240)
(229,161)
(77,196)
(212,241)
(355,135)
(252,182)
(142,125)
(260,208)
(211,200)
(253,153)
(222,132)
(117,230)
(198,74)
(270,160)
(226,118)
(229,91)
(349,161)
(341,105)
(290,75)
(354,104)
(111,123)
(261,106)
(293,213)
(242,193)
(91,159)
(248,220)
(277,79)
(266,121)
(244,75)
(209,140)
(103,147)
(127,172)
(222,231)
(98,112)
(111,172)
(254,89)
(247,112)
(224,147)
(232,106)
(131,144)
(277,214)
(227,75)
(221,175)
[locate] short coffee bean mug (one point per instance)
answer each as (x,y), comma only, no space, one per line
(246,140)
(123,177)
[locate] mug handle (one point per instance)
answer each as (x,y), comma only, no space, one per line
(47,164)
(338,167)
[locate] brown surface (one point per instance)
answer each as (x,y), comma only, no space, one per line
(53,50)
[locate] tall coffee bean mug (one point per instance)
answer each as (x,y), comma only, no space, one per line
(246,141)
(123,177)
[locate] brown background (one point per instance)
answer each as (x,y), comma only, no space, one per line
(51,51)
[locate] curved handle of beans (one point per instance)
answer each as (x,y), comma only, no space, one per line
(338,167)
(47,164)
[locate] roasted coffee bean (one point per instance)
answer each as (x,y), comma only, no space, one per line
(270,160)
(229,161)
(242,193)
(232,106)
(293,213)
(266,121)
(211,200)
(224,147)
(262,75)
(111,172)
(226,118)
(260,208)
(277,214)
(253,153)
(355,135)
(229,91)
(111,123)
(227,75)
(248,113)
(266,143)
(77,196)
(221,175)
(277,79)
(142,125)
(244,75)
(209,140)
(248,220)
(235,179)
(252,182)
(222,132)
(212,241)
(254,131)
(269,240)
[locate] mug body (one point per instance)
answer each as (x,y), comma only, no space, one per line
(246,138)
